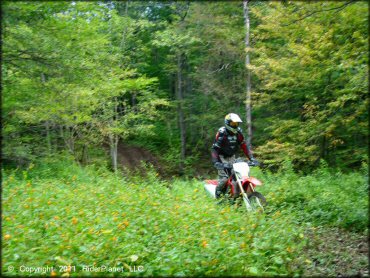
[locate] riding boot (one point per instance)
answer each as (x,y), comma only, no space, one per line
(218,194)
(221,188)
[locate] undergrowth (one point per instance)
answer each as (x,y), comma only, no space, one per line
(57,213)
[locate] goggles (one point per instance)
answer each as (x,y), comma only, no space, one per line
(234,124)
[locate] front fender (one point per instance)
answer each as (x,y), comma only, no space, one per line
(253,181)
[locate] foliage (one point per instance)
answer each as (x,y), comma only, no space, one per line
(77,75)
(312,82)
(65,83)
(58,213)
(324,197)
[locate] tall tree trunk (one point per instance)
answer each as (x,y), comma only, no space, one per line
(48,139)
(172,88)
(126,7)
(180,112)
(47,123)
(113,139)
(113,145)
(66,136)
(71,139)
(192,137)
(85,155)
(248,107)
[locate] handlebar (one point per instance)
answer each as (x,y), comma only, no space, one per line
(228,166)
(250,163)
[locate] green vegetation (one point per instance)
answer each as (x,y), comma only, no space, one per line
(58,213)
(78,75)
(81,80)
(323,198)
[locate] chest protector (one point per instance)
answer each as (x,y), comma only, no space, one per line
(227,143)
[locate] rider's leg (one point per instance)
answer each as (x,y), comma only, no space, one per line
(221,186)
(223,176)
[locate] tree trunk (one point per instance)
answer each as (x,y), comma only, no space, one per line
(133,102)
(64,137)
(47,123)
(248,107)
(71,140)
(126,7)
(113,143)
(124,32)
(192,137)
(85,155)
(180,112)
(169,123)
(48,140)
(113,138)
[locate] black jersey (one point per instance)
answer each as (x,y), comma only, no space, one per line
(227,144)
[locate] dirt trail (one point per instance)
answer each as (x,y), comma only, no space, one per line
(131,156)
(337,252)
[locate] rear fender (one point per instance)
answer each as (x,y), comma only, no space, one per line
(214,182)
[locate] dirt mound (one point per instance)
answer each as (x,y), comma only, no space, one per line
(131,156)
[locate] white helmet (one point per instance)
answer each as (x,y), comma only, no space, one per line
(232,122)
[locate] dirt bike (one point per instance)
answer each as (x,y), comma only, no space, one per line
(240,184)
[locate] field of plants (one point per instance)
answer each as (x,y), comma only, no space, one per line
(63,219)
(93,88)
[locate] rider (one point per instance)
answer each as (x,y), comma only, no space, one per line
(226,143)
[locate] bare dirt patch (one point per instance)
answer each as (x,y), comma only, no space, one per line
(131,157)
(336,252)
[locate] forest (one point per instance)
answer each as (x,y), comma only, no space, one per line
(88,86)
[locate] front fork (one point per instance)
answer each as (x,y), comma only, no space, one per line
(243,193)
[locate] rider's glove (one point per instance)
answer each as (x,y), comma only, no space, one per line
(222,166)
(219,166)
(255,162)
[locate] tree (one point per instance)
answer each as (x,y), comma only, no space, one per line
(48,72)
(248,104)
(178,41)
(312,80)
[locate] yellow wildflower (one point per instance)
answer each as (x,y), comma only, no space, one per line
(204,243)
(74,220)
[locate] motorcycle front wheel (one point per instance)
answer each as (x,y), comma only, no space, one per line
(257,200)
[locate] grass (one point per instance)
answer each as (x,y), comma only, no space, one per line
(323,198)
(57,213)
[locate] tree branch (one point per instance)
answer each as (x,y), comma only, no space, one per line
(319,11)
(224,66)
(186,11)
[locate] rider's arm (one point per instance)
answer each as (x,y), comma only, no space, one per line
(215,156)
(247,152)
(244,147)
(217,163)
(216,147)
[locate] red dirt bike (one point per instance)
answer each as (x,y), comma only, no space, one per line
(240,184)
